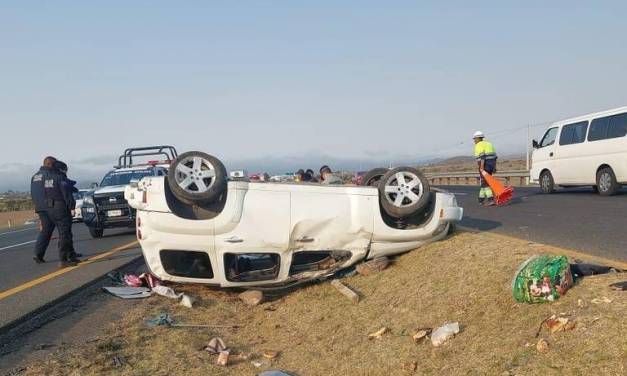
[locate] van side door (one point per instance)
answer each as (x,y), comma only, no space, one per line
(572,153)
(544,155)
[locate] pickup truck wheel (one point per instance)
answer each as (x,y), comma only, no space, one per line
(606,182)
(404,191)
(197,178)
(96,232)
(373,177)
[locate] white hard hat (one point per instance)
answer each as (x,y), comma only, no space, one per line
(478,134)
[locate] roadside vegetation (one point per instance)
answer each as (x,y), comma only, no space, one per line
(15,202)
(315,330)
(468,164)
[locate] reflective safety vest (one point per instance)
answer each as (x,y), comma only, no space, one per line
(484,151)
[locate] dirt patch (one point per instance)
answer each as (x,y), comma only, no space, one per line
(17,218)
(318,331)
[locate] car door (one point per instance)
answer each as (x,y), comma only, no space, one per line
(327,218)
(252,233)
(545,155)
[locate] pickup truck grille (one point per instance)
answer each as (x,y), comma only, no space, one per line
(111,201)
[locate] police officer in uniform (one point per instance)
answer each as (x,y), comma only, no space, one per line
(53,203)
(70,185)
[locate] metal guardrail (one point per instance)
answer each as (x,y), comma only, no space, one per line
(518,177)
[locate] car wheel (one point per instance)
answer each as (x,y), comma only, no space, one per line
(373,177)
(197,178)
(403,192)
(606,182)
(547,185)
(96,232)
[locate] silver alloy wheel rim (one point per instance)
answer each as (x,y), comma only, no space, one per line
(605,182)
(195,174)
(403,189)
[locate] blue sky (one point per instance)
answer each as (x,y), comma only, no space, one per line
(253,79)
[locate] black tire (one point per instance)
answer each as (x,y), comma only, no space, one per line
(606,182)
(412,201)
(96,232)
(189,185)
(373,177)
(547,184)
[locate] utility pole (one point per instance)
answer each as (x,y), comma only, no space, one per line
(527,149)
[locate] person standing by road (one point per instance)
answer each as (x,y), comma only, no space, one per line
(486,161)
(70,185)
(53,203)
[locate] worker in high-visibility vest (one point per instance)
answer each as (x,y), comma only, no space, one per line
(486,160)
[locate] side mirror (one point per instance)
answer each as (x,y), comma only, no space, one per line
(94,185)
(535,144)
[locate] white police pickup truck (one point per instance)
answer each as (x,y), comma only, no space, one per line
(106,207)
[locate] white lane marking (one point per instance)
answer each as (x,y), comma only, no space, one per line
(17,245)
(16,231)
(459,194)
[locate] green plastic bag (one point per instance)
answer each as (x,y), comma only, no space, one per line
(542,278)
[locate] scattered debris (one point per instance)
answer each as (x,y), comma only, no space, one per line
(168,292)
(619,286)
(542,278)
(131,280)
(580,303)
(276,373)
(187,301)
(373,266)
(150,280)
(379,333)
(129,292)
(215,346)
(118,361)
(570,325)
(580,269)
(162,319)
(251,297)
(556,324)
(116,277)
(409,366)
(542,346)
(601,300)
(223,358)
(347,292)
(443,333)
(421,334)
(270,354)
(261,363)
(165,319)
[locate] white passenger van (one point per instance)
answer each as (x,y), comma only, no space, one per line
(586,150)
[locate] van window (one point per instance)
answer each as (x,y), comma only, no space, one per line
(608,127)
(618,126)
(598,129)
(549,137)
(573,133)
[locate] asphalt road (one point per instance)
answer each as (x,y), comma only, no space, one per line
(571,218)
(17,267)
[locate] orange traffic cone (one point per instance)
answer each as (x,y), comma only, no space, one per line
(502,194)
